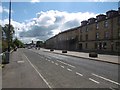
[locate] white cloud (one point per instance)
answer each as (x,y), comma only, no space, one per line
(35,1)
(6,10)
(47,24)
(62,0)
(28,39)
(3,9)
(18,27)
(103,0)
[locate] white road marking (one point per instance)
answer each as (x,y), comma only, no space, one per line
(66,63)
(106,79)
(111,88)
(69,69)
(94,80)
(48,57)
(20,61)
(79,74)
(52,61)
(49,60)
(56,63)
(38,72)
(62,66)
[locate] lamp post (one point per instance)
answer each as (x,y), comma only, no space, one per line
(9,26)
(7,53)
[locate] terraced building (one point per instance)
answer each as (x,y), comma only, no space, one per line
(95,34)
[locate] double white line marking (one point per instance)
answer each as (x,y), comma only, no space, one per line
(66,63)
(94,80)
(106,79)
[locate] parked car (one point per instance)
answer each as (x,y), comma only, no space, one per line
(15,49)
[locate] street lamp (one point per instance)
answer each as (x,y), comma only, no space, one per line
(9,26)
(7,53)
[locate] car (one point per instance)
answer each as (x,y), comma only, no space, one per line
(15,49)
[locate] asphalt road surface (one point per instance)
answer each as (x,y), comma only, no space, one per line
(40,69)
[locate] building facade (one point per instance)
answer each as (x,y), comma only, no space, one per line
(95,34)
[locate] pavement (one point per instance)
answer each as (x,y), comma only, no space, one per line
(101,57)
(20,74)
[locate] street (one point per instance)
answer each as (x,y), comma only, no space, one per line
(32,68)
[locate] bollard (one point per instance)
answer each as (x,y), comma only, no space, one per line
(93,54)
(51,49)
(5,58)
(64,51)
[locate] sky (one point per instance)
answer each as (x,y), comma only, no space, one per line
(37,20)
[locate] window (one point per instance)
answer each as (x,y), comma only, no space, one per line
(86,29)
(81,30)
(67,38)
(119,34)
(104,45)
(80,37)
(96,46)
(119,20)
(106,35)
(86,45)
(118,45)
(106,24)
(86,36)
(97,27)
(100,45)
(97,35)
(60,39)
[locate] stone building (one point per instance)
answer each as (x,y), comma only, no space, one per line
(95,34)
(67,40)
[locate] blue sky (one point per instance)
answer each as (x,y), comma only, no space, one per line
(42,20)
(26,10)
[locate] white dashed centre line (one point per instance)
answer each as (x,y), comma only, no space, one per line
(52,62)
(66,63)
(94,80)
(48,57)
(56,63)
(79,74)
(62,66)
(69,69)
(106,79)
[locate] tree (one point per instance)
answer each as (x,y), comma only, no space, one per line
(17,43)
(7,37)
(39,43)
(0,38)
(3,41)
(8,34)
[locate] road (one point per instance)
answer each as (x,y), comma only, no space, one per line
(50,70)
